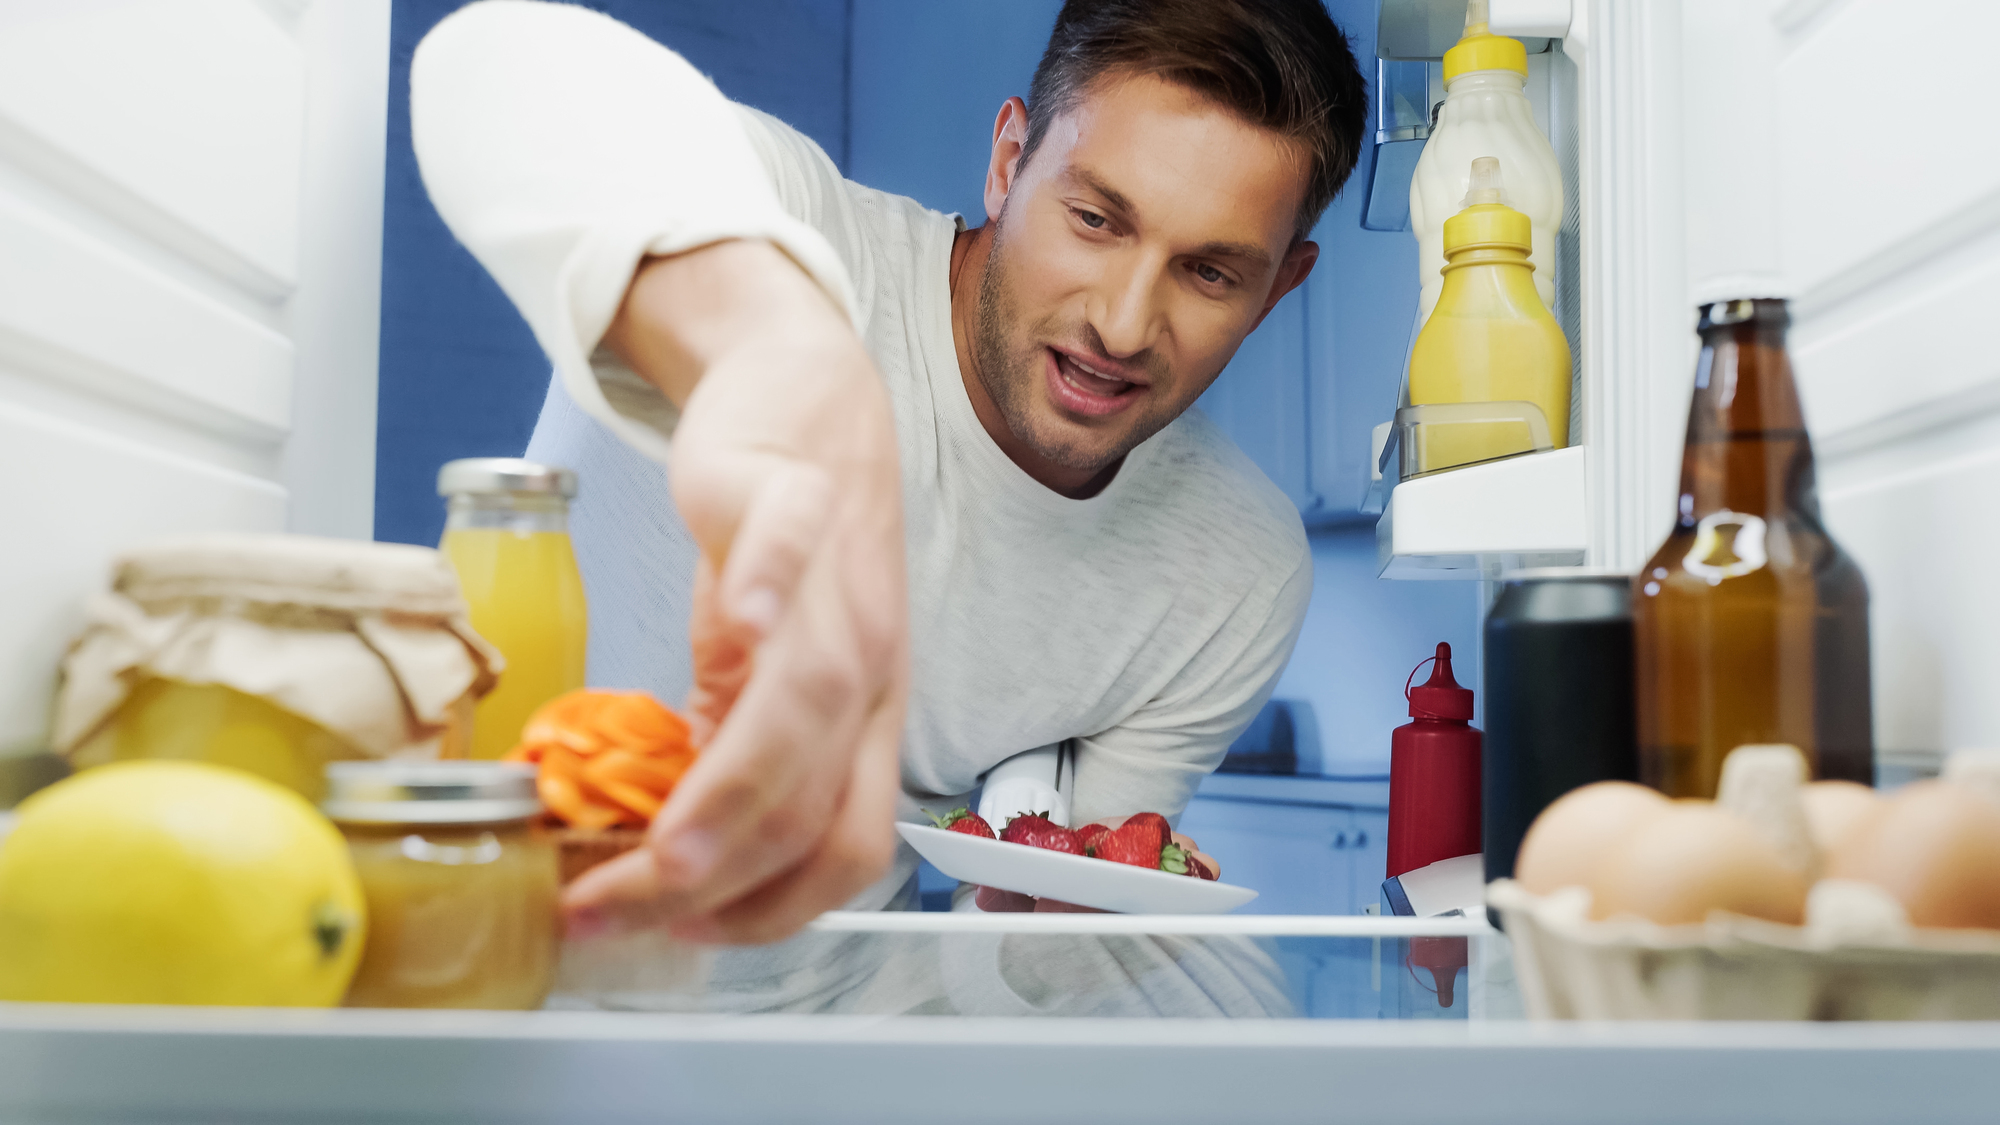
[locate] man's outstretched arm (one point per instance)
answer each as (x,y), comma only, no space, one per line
(610,191)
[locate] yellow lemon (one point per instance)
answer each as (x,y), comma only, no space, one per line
(176,883)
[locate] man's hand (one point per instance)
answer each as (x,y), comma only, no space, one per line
(784,468)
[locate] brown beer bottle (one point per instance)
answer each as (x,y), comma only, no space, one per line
(1751,624)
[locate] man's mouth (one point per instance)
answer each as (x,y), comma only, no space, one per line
(1079,387)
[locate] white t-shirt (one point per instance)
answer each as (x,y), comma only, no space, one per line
(1147,623)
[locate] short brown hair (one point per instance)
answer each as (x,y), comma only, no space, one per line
(1279,64)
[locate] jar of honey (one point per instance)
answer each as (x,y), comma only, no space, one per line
(274,654)
(460,882)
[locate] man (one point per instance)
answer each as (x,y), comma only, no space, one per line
(862,394)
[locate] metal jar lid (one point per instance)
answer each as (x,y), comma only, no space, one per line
(454,792)
(505,474)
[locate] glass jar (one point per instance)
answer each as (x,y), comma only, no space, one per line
(460,882)
(274,654)
(165,718)
(507,534)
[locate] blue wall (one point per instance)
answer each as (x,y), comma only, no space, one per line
(460,374)
(929,79)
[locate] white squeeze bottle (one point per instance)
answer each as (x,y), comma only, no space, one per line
(1485,113)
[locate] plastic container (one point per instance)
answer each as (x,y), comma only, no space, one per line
(1485,113)
(1490,339)
(507,535)
(461,885)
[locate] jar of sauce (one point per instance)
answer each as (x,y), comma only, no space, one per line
(460,882)
(507,534)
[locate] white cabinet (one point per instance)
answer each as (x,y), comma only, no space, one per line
(1306,845)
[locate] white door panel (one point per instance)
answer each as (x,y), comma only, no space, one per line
(94,306)
(1926,538)
(190,112)
(190,256)
(1874,181)
(76,496)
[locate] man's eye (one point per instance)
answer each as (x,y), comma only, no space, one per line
(1209,274)
(1091,219)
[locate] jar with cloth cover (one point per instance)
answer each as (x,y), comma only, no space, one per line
(275,654)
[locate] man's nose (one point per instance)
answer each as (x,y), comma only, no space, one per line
(1130,308)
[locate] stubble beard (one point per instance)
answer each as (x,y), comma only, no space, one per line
(1009,373)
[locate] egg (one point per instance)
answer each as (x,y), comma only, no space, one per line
(1691,858)
(1835,808)
(1568,838)
(1935,846)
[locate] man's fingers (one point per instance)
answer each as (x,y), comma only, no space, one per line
(763,790)
(616,895)
(854,852)
(784,524)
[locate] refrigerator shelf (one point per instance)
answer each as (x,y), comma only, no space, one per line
(1480,520)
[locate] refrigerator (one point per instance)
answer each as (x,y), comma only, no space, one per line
(225,305)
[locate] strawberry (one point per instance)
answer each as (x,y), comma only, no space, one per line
(1089,835)
(962,820)
(1018,828)
(1134,844)
(1176,860)
(1155,825)
(1055,838)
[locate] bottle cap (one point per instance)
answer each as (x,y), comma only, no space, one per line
(1480,49)
(503,475)
(1439,697)
(1486,218)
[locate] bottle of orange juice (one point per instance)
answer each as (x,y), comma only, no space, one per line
(506,532)
(1491,339)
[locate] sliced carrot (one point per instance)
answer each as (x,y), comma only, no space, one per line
(604,757)
(655,775)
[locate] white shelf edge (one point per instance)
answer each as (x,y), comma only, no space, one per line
(1475,522)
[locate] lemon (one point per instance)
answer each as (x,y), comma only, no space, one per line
(176,883)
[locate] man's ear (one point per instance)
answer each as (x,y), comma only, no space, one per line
(1291,274)
(1010,135)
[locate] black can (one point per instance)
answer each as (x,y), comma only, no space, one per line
(1559,691)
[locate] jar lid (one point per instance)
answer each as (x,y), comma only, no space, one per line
(406,792)
(505,474)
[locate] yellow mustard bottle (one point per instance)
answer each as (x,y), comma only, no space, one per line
(507,535)
(1491,339)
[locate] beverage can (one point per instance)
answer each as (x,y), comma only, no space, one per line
(1558,683)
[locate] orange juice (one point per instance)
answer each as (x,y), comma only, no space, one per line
(506,532)
(525,595)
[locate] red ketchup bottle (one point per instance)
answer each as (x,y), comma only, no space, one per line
(1434,773)
(1434,798)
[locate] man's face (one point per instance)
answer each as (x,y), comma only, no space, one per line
(1147,235)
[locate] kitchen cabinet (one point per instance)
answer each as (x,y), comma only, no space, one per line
(1307,845)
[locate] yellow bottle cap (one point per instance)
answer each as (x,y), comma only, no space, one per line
(1485,217)
(1480,49)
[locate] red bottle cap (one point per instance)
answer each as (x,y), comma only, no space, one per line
(1439,697)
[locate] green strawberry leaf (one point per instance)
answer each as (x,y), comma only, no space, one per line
(948,819)
(1173,860)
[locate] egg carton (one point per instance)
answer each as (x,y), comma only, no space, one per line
(1856,958)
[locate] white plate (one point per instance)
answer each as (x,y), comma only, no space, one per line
(1070,878)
